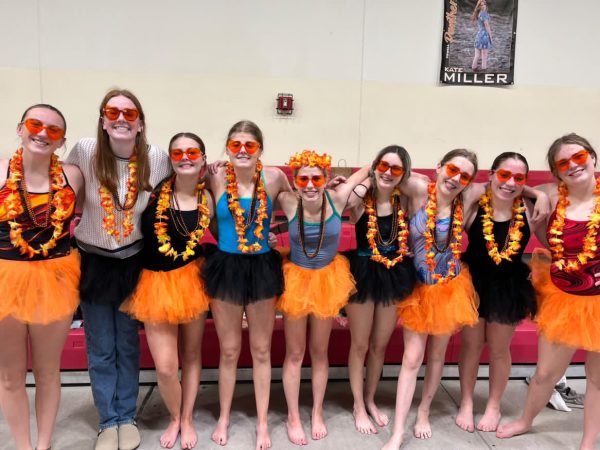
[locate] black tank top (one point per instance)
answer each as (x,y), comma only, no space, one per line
(385,228)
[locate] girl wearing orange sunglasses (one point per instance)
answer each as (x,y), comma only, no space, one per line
(120,170)
(170,297)
(567,282)
(39,274)
(498,227)
(318,281)
(243,276)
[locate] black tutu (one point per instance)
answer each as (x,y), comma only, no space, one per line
(108,280)
(242,278)
(376,283)
(506,294)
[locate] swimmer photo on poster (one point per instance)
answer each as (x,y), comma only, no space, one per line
(478,43)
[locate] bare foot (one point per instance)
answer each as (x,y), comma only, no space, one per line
(189,438)
(464,418)
(512,429)
(318,427)
(422,428)
(490,419)
(362,422)
(169,437)
(380,418)
(295,432)
(219,436)
(394,442)
(263,439)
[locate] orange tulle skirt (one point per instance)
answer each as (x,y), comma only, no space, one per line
(563,318)
(321,292)
(39,292)
(441,309)
(174,297)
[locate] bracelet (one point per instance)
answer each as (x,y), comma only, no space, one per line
(365,193)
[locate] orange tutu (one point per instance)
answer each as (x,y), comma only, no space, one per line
(564,318)
(321,292)
(441,309)
(40,292)
(175,297)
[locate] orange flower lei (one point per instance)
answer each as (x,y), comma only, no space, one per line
(514,234)
(556,230)
(372,230)
(237,211)
(161,224)
(429,234)
(309,158)
(12,204)
(106,201)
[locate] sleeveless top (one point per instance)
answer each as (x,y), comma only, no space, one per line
(477,254)
(331,240)
(384,223)
(228,239)
(416,241)
(152,258)
(582,281)
(31,233)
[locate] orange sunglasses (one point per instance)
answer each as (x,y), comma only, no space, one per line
(579,158)
(112,113)
(35,126)
(302,180)
(193,153)
(452,171)
(236,146)
(384,166)
(504,175)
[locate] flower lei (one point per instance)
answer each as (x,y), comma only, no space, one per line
(161,224)
(106,201)
(429,234)
(59,201)
(372,230)
(514,234)
(309,158)
(556,230)
(238,212)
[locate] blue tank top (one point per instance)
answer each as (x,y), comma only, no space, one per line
(416,241)
(228,239)
(331,240)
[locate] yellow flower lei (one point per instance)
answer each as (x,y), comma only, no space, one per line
(429,234)
(238,212)
(161,224)
(514,233)
(556,230)
(106,201)
(13,205)
(372,230)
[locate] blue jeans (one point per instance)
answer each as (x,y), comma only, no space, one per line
(113,349)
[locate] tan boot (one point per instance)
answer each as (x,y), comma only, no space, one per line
(129,437)
(108,439)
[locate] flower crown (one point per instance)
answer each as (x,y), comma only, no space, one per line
(309,158)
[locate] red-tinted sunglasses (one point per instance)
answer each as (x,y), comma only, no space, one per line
(112,113)
(384,166)
(452,171)
(579,158)
(504,175)
(35,126)
(193,153)
(302,180)
(236,146)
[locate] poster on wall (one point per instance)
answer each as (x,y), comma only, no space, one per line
(478,44)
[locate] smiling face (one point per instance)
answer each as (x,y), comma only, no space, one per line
(120,129)
(310,192)
(577,171)
(509,189)
(449,184)
(242,159)
(187,166)
(386,179)
(41,143)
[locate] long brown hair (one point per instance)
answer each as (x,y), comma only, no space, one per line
(475,14)
(105,163)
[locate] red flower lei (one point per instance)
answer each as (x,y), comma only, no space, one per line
(57,202)
(429,234)
(106,201)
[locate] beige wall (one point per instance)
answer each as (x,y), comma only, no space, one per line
(363,73)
